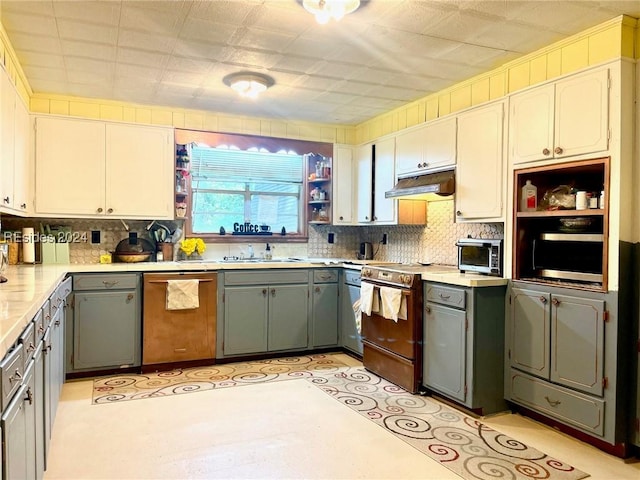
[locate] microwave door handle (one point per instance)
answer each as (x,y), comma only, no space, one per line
(533,255)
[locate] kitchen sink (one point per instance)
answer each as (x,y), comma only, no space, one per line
(255,260)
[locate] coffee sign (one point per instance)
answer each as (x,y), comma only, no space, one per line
(245,227)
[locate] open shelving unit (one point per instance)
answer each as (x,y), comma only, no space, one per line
(182,181)
(562,246)
(319,206)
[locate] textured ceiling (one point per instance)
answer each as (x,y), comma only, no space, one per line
(386,54)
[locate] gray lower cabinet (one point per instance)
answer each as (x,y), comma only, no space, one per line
(324,308)
(19,430)
(463,345)
(565,360)
(350,337)
(106,326)
(263,311)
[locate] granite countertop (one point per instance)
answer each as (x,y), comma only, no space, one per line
(29,286)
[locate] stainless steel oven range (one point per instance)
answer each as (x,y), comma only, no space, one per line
(393,349)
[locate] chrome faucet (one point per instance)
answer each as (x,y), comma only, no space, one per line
(251,254)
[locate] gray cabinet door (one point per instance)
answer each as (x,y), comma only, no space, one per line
(47,367)
(14,440)
(288,322)
(529,341)
(577,336)
(245,320)
(349,332)
(38,403)
(325,315)
(56,358)
(105,329)
(444,352)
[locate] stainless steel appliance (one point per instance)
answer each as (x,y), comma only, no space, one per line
(441,183)
(393,350)
(569,256)
(366,251)
(480,255)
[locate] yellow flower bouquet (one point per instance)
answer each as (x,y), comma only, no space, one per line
(191,245)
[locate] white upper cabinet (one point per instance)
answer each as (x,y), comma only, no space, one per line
(364,183)
(69,167)
(139,171)
(7,136)
(15,185)
(479,173)
(93,168)
(343,187)
(566,118)
(429,147)
(384,209)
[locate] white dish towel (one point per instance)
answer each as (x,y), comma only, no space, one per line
(369,300)
(182,294)
(394,304)
(357,314)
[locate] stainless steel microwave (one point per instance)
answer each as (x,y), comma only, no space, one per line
(480,255)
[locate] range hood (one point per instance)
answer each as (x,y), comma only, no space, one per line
(424,186)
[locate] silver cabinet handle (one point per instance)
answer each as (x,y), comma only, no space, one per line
(555,302)
(558,150)
(6,199)
(553,403)
(29,396)
(16,376)
(543,299)
(129,297)
(110,284)
(546,151)
(23,206)
(99,209)
(458,213)
(273,292)
(264,292)
(110,210)
(445,297)
(427,309)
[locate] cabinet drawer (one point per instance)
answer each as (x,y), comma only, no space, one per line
(325,276)
(64,289)
(270,277)
(38,326)
(28,341)
(352,277)
(11,371)
(105,282)
(453,297)
(573,408)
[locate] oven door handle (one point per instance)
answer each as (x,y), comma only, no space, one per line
(375,285)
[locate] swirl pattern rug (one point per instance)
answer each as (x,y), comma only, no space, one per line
(464,445)
(134,387)
(457,441)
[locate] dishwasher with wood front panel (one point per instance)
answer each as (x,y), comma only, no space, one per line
(179,335)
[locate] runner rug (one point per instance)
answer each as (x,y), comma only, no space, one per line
(462,444)
(134,387)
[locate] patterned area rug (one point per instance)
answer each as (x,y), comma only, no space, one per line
(134,387)
(460,443)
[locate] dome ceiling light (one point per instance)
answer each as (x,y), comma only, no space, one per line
(325,10)
(248,84)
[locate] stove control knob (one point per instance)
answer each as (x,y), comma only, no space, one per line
(366,272)
(406,279)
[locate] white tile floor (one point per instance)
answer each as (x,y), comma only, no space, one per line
(288,429)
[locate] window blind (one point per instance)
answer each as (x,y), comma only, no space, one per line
(241,165)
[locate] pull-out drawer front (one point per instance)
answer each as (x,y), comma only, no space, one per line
(12,373)
(28,341)
(266,277)
(352,277)
(573,408)
(38,325)
(325,276)
(450,296)
(105,282)
(64,289)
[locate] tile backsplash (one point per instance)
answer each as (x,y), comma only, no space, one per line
(433,243)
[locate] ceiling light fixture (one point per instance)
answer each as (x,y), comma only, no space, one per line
(325,10)
(248,84)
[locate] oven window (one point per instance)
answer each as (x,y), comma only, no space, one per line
(474,256)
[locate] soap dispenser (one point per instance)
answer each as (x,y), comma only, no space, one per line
(267,253)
